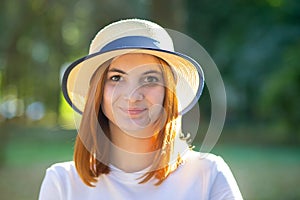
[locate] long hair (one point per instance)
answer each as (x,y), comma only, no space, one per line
(93,135)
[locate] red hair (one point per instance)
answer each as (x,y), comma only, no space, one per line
(91,140)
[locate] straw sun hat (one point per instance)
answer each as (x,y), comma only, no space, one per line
(133,36)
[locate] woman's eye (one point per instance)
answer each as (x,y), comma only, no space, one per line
(151,79)
(116,78)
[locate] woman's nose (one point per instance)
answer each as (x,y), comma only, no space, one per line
(133,93)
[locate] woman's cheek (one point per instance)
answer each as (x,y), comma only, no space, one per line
(156,95)
(107,100)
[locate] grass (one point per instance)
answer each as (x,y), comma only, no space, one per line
(28,152)
(262,172)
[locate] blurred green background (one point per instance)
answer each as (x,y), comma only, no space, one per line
(255,44)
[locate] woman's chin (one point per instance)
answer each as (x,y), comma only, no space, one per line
(139,129)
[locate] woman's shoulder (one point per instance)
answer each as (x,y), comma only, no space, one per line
(214,172)
(204,161)
(62,181)
(62,169)
(208,158)
(68,165)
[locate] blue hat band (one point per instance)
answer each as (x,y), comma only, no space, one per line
(131,42)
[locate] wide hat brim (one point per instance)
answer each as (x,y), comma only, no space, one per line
(188,72)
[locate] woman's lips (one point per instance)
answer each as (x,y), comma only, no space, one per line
(133,111)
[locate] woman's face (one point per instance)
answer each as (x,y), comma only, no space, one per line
(134,93)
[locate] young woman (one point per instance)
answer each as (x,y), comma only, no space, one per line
(131,91)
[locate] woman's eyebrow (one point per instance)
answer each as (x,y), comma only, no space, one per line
(117,70)
(152,72)
(145,73)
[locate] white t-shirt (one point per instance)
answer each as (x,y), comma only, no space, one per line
(200,177)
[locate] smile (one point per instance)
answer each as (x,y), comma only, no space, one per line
(133,111)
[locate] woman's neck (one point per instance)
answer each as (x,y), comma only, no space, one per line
(131,153)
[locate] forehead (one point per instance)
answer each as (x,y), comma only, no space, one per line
(132,61)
